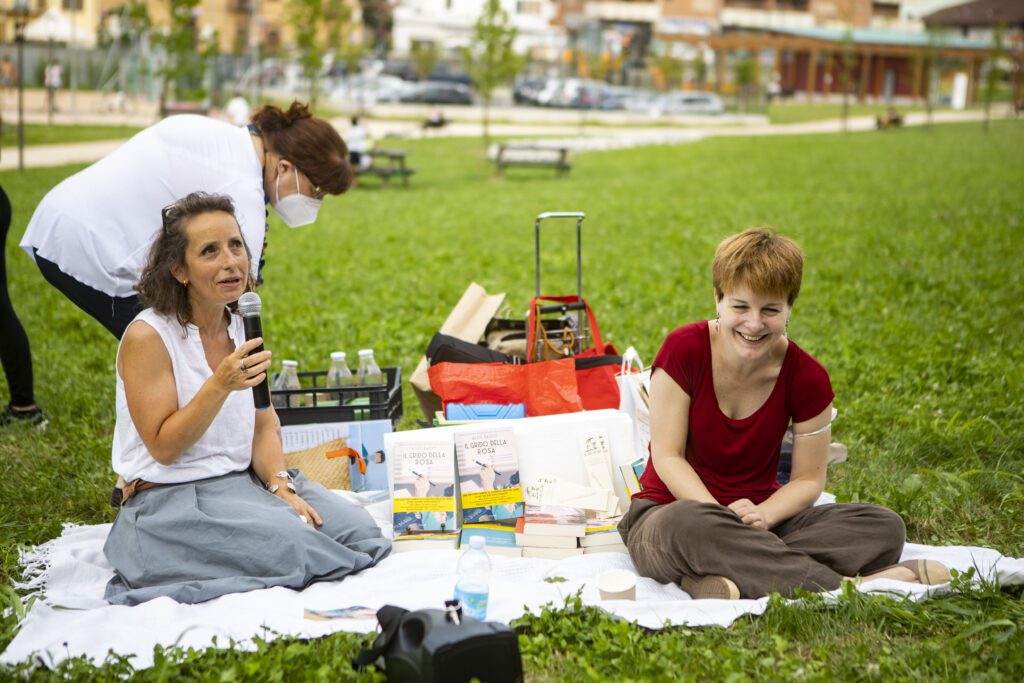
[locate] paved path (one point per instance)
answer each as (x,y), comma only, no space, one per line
(600,130)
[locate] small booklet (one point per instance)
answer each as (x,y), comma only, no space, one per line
(423,494)
(353,612)
(488,475)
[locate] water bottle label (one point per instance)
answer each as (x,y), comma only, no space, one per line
(474,603)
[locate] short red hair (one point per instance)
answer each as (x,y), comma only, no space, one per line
(760,259)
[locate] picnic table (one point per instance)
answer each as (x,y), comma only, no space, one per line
(388,163)
(533,155)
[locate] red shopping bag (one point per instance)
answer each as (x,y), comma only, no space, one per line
(595,378)
(546,388)
(596,366)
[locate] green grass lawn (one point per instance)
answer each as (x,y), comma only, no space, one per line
(43,134)
(912,299)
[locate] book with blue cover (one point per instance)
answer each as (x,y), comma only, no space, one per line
(488,475)
(500,538)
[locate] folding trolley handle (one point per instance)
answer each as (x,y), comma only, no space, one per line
(578,306)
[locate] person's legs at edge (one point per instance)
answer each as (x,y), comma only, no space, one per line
(113,312)
(686,539)
(15,351)
(852,539)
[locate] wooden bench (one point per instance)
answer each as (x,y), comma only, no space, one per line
(535,156)
(387,164)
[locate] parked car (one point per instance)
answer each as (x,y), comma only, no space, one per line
(526,90)
(436,92)
(368,90)
(691,102)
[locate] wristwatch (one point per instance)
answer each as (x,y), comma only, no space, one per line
(283,474)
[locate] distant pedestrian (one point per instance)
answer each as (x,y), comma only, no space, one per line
(54,79)
(8,75)
(238,110)
(359,144)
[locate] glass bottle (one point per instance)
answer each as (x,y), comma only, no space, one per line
(338,375)
(288,378)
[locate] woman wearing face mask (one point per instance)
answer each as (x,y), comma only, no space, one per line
(90,234)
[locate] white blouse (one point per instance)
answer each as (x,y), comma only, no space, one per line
(227,444)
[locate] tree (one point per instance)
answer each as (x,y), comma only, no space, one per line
(994,73)
(489,59)
(425,56)
(185,61)
(306,17)
(671,70)
(847,59)
(378,18)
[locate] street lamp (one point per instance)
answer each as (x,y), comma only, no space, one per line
(19,11)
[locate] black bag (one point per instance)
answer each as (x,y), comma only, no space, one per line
(447,349)
(433,645)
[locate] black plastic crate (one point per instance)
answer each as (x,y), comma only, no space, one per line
(385,400)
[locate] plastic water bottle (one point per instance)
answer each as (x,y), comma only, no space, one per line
(338,375)
(288,378)
(472,586)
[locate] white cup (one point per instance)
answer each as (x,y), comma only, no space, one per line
(617,584)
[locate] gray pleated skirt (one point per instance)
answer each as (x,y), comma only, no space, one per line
(197,541)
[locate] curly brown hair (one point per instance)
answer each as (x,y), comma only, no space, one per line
(312,144)
(157,287)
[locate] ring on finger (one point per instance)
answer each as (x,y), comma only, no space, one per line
(243,367)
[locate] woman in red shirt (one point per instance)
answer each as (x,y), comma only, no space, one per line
(711,516)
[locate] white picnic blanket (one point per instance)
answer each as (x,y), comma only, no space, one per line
(72,619)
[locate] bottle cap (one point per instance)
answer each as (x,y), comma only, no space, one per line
(365,353)
(338,355)
(289,363)
(477,542)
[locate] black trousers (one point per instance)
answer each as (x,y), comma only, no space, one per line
(113,312)
(15,353)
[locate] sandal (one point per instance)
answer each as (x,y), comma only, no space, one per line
(928,572)
(710,588)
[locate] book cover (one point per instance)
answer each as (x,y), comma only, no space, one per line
(631,472)
(425,541)
(554,520)
(501,539)
(369,469)
(353,612)
(423,497)
(601,532)
(552,553)
(488,475)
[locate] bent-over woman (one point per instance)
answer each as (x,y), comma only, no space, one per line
(90,235)
(209,507)
(711,516)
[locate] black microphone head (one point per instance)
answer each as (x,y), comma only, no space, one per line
(249,304)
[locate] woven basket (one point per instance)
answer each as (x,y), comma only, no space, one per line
(327,464)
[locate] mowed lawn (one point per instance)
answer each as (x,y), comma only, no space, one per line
(912,298)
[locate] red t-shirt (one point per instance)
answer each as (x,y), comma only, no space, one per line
(735,458)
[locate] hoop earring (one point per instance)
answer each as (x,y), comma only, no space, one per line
(785,329)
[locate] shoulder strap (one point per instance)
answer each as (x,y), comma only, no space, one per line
(389,617)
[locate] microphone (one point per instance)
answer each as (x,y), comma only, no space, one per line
(249,306)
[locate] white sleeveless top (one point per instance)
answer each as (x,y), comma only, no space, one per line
(227,444)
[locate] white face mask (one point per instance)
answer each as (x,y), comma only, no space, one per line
(296,209)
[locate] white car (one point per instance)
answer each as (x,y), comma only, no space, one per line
(689,102)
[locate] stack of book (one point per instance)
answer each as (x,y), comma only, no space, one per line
(550,531)
(602,536)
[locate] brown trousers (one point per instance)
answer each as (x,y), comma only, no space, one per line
(811,551)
